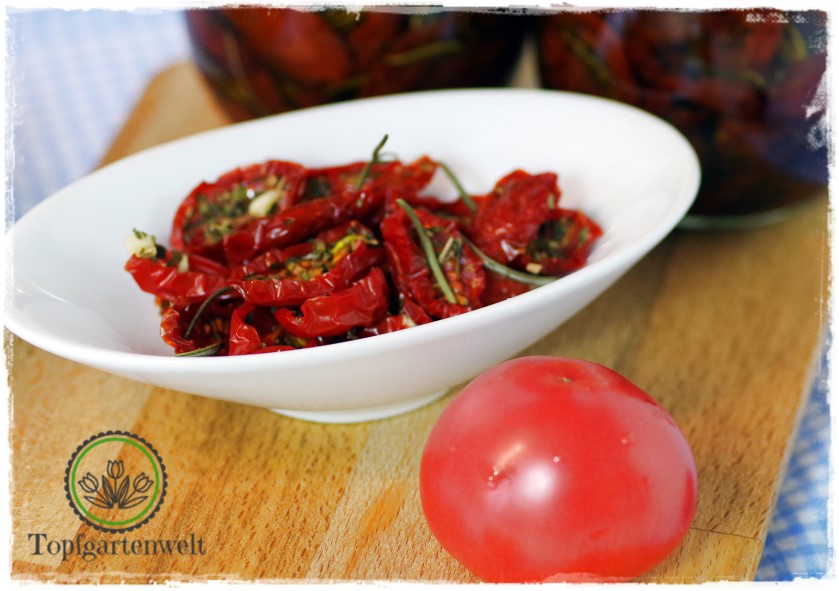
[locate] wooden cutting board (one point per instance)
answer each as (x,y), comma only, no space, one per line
(723,328)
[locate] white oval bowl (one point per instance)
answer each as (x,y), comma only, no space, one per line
(631,172)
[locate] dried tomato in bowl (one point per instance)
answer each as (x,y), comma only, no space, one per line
(277,256)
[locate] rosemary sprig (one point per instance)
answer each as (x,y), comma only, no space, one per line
(203,351)
(589,57)
(428,249)
(425,52)
(367,167)
(467,199)
(203,307)
(505,271)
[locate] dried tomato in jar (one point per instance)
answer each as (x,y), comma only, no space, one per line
(746,87)
(261,61)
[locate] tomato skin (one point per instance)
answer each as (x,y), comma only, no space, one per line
(553,469)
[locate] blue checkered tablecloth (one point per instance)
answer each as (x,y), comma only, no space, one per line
(74,77)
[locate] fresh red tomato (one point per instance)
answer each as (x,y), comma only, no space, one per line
(552,469)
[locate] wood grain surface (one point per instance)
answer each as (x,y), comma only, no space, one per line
(723,328)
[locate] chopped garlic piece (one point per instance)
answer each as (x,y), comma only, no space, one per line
(262,204)
(534,268)
(141,245)
(183,264)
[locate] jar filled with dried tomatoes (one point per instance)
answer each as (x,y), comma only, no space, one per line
(746,87)
(261,61)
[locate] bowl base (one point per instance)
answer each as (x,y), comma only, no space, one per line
(359,415)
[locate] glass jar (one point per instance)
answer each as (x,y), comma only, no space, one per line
(747,88)
(261,61)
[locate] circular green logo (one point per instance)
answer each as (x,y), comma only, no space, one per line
(115,481)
